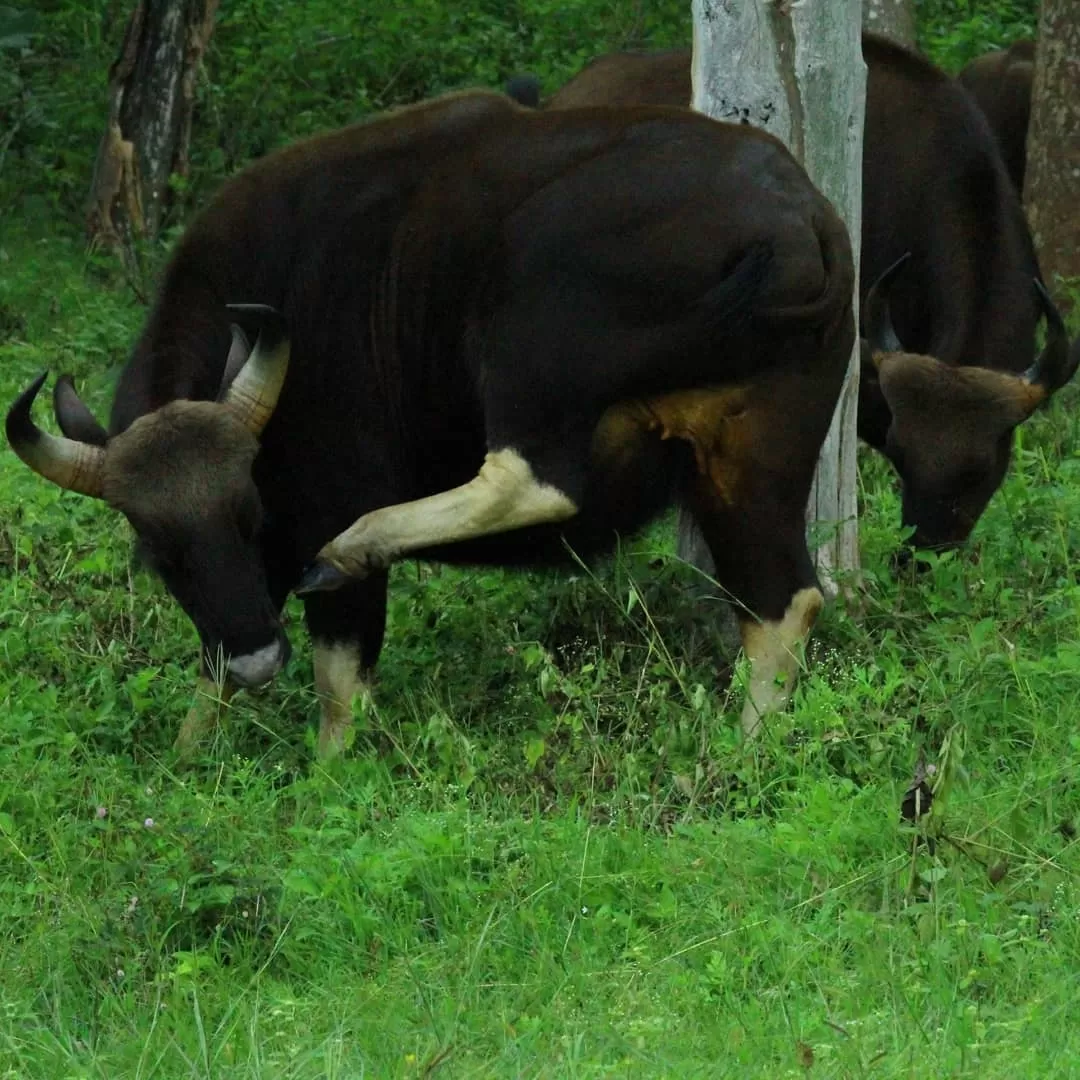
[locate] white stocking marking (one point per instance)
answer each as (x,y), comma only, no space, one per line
(337,682)
(205,713)
(773,650)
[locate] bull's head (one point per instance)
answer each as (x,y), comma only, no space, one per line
(950,434)
(182,477)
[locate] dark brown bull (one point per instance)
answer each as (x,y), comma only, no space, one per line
(498,328)
(1000,82)
(942,405)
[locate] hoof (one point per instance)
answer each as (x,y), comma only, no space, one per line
(321,577)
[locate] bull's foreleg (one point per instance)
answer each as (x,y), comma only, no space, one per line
(201,722)
(339,680)
(504,495)
(347,628)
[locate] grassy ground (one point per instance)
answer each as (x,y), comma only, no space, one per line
(547,854)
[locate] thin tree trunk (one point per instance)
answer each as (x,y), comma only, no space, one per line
(893,19)
(1052,178)
(796,70)
(151,97)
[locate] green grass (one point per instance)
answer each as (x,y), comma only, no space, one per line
(547,854)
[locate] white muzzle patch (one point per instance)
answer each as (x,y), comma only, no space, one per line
(259,667)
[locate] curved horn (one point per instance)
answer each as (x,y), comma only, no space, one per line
(875,314)
(254,391)
(1056,364)
(239,351)
(74,466)
(75,419)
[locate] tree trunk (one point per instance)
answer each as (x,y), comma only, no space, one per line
(796,70)
(893,19)
(150,101)
(1052,178)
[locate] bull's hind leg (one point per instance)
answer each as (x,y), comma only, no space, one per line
(347,629)
(755,451)
(774,648)
(504,495)
(762,561)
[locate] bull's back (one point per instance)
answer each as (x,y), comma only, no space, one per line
(629,78)
(935,184)
(1000,82)
(665,204)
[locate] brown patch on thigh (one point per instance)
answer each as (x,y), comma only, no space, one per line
(716,422)
(620,436)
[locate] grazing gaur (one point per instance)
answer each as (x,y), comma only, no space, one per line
(1000,82)
(965,302)
(498,328)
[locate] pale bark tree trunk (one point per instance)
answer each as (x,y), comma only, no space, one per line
(1052,179)
(894,19)
(796,70)
(148,129)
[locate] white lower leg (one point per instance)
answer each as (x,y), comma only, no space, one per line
(205,713)
(337,683)
(774,649)
(504,495)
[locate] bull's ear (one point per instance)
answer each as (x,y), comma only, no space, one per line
(1011,398)
(75,419)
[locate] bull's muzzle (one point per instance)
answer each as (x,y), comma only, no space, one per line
(913,555)
(259,667)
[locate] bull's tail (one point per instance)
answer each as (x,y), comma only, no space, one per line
(679,351)
(729,305)
(524,89)
(839,279)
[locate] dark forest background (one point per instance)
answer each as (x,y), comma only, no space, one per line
(276,70)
